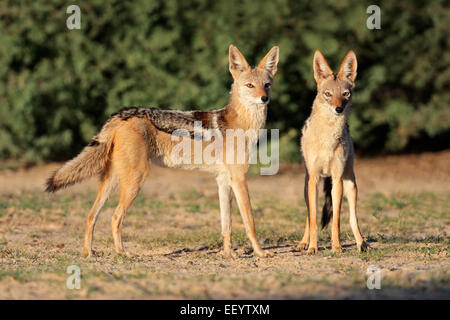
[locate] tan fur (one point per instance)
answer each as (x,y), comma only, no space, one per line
(91,161)
(328,149)
(133,138)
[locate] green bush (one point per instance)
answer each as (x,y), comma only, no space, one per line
(60,85)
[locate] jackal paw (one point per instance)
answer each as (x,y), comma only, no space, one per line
(336,249)
(91,253)
(87,253)
(264,254)
(312,251)
(302,246)
(363,246)
(229,254)
(127,254)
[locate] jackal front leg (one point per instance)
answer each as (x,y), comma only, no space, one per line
(312,213)
(336,195)
(351,191)
(225,200)
(304,243)
(239,185)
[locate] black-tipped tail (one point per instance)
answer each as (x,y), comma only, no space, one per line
(327,210)
(90,162)
(50,185)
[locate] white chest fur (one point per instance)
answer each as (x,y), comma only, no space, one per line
(324,144)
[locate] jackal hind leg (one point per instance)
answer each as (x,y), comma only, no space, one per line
(128,192)
(107,184)
(131,164)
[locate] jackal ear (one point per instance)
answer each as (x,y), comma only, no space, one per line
(270,61)
(321,68)
(238,63)
(348,67)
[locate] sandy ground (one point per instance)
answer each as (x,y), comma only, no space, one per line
(427,172)
(174,234)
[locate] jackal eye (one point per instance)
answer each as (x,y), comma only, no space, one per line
(267,85)
(346,94)
(327,94)
(249,85)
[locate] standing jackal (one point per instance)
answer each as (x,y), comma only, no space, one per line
(133,138)
(328,152)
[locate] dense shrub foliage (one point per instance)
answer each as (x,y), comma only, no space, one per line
(58,85)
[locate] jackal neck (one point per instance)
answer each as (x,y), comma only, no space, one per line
(326,121)
(242,116)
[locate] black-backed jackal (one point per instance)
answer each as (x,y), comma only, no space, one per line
(134,138)
(328,152)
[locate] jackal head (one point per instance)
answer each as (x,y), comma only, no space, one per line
(335,92)
(252,85)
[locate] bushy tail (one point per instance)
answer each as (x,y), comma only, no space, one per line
(91,161)
(327,210)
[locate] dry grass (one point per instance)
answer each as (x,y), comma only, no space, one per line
(174,232)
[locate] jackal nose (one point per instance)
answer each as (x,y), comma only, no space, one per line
(264,98)
(339,109)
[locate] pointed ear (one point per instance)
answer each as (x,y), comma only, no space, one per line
(238,63)
(270,61)
(348,67)
(321,68)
